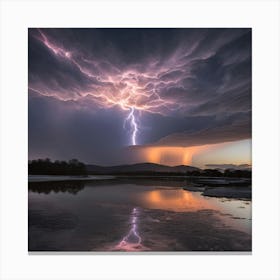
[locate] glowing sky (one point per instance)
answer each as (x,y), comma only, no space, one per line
(94,92)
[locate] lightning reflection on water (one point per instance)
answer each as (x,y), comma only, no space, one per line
(132,240)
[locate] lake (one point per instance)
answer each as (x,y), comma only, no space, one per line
(134,215)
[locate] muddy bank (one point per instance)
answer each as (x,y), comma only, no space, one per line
(239,193)
(228,188)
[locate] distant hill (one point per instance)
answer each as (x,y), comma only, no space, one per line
(139,168)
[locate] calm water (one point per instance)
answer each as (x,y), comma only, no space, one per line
(122,215)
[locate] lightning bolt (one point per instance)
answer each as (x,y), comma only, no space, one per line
(131,118)
(124,89)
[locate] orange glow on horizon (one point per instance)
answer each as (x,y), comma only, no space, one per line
(172,156)
(238,152)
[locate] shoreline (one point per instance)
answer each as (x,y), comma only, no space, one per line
(49,178)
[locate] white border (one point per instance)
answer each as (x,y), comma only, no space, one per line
(17,16)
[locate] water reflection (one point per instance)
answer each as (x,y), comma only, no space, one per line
(56,187)
(233,212)
(175,200)
(131,241)
(122,216)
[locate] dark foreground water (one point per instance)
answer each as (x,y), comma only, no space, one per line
(134,215)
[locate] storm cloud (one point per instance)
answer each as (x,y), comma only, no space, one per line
(187,86)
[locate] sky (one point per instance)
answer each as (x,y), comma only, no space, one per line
(122,96)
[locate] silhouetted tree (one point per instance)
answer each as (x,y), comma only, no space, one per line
(212,173)
(193,173)
(47,167)
(238,173)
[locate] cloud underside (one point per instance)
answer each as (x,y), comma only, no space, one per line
(208,136)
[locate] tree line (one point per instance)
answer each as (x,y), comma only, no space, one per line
(217,173)
(75,167)
(48,167)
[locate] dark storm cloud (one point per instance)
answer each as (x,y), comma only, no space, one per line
(188,85)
